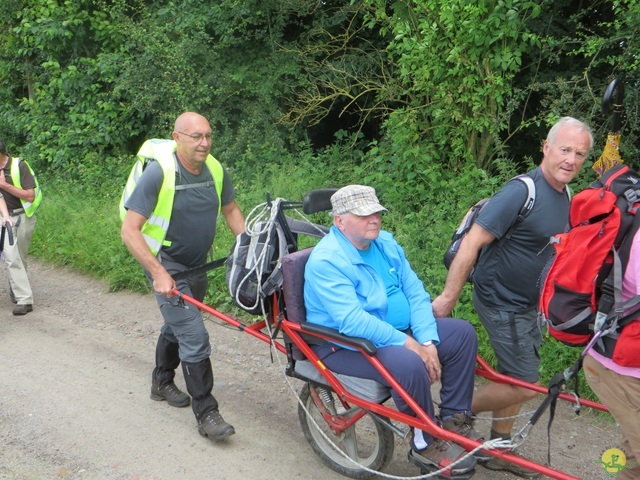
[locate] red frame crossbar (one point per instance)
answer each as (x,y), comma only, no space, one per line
(421,420)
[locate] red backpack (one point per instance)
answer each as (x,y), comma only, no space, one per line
(584,276)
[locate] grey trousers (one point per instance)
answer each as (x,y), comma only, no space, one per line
(183,323)
(16,257)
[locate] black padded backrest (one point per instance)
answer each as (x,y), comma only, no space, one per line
(293,284)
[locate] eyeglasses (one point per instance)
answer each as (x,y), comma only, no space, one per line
(198,137)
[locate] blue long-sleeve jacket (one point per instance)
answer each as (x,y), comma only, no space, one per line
(344,293)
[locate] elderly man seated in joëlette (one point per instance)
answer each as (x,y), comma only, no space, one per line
(358,281)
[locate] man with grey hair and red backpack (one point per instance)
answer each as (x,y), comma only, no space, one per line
(507,262)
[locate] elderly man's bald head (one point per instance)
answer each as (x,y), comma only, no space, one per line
(192,134)
(187,119)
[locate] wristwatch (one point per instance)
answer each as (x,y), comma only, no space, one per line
(427,343)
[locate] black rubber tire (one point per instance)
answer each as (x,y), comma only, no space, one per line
(370,443)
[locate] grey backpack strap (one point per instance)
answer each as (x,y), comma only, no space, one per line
(181,186)
(275,279)
(195,185)
(527,206)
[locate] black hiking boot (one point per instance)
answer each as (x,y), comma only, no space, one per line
(212,425)
(162,386)
(171,393)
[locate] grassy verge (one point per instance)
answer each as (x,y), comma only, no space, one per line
(83,233)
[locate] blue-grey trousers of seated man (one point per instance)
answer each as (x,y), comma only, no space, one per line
(184,327)
(456,352)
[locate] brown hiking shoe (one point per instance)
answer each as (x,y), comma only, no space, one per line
(212,425)
(171,393)
(440,454)
(502,465)
(462,424)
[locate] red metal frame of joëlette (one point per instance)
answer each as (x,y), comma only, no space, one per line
(421,420)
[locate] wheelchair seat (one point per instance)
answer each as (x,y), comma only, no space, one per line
(293,265)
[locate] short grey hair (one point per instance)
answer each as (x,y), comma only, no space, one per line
(573,122)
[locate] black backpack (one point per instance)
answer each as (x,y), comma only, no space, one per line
(472,214)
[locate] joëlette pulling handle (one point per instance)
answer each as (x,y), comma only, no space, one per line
(612,103)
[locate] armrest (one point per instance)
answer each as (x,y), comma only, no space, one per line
(366,346)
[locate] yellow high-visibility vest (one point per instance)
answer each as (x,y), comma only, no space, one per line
(29,207)
(155,228)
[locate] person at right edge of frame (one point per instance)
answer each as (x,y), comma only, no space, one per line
(169,227)
(505,274)
(22,194)
(612,370)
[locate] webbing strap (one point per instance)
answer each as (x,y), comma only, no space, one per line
(556,385)
(202,268)
(209,183)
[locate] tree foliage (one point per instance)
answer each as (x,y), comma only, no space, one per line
(408,93)
(457,61)
(86,81)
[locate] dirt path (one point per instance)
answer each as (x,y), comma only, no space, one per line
(74,400)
